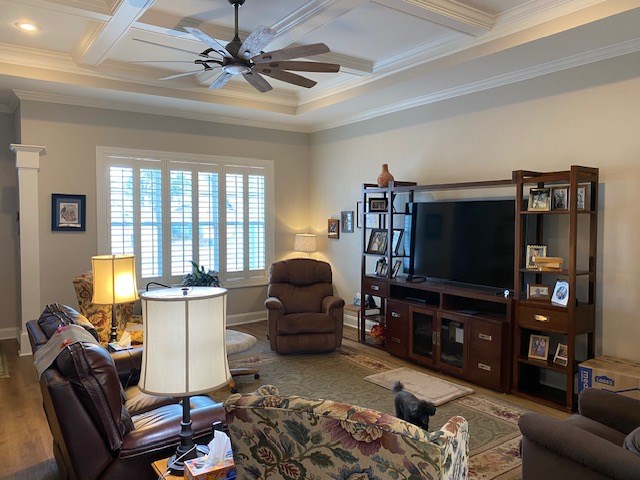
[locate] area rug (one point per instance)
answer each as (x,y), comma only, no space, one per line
(423,386)
(4,366)
(340,376)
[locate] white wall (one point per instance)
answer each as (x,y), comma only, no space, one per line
(71,134)
(9,276)
(584,116)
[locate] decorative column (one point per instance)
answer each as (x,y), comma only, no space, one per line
(28,164)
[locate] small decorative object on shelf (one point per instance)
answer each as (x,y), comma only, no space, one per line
(539,347)
(378,333)
(561,356)
(385,177)
(548,264)
(534,251)
(581,197)
(539,200)
(381,266)
(559,198)
(378,241)
(538,292)
(396,268)
(378,204)
(560,295)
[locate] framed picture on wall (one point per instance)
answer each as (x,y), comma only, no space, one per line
(68,212)
(333,228)
(347,221)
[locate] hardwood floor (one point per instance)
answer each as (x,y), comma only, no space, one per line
(26,442)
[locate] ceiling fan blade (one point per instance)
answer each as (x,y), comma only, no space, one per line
(287,77)
(256,41)
(210,41)
(172,48)
(221,81)
(163,61)
(302,66)
(258,81)
(292,52)
(178,75)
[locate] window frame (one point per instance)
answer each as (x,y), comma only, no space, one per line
(167,161)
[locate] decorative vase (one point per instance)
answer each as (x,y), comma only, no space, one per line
(378,340)
(385,177)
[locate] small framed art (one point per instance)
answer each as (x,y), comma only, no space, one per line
(333,228)
(581,197)
(347,221)
(560,296)
(396,268)
(538,292)
(378,241)
(559,198)
(562,355)
(538,347)
(378,204)
(539,200)
(534,251)
(395,241)
(68,212)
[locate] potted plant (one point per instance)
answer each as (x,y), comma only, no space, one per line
(199,278)
(378,333)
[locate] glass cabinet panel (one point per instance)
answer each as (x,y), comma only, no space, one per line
(451,342)
(422,324)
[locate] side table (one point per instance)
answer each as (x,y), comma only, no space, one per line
(355,309)
(160,466)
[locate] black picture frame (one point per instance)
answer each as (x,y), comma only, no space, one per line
(395,241)
(378,204)
(68,212)
(346,222)
(378,241)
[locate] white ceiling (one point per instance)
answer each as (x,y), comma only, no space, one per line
(394,54)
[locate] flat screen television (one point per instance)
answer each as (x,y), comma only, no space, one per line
(468,242)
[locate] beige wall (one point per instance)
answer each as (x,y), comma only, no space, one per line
(71,134)
(585,116)
(9,276)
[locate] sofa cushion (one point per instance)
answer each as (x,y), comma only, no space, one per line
(297,323)
(632,441)
(55,315)
(599,429)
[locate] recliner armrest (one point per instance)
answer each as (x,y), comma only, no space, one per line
(273,303)
(580,446)
(330,303)
(611,409)
(128,365)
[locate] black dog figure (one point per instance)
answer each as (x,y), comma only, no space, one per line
(411,409)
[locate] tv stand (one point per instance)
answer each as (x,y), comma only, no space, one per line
(415,279)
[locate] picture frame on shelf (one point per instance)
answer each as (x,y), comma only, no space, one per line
(359,215)
(378,204)
(534,251)
(68,212)
(395,240)
(378,241)
(538,347)
(333,228)
(346,218)
(539,200)
(560,295)
(538,292)
(560,198)
(581,197)
(381,265)
(562,355)
(396,268)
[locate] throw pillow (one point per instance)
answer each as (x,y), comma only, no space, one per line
(632,441)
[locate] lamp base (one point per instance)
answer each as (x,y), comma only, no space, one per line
(176,467)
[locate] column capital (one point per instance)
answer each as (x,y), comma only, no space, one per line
(16,147)
(27,156)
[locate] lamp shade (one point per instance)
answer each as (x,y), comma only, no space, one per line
(305,242)
(114,279)
(184,341)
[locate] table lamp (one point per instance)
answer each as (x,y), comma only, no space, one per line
(184,352)
(114,282)
(305,242)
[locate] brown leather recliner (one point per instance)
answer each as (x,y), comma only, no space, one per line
(100,429)
(304,315)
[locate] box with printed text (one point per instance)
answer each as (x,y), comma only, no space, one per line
(196,470)
(610,373)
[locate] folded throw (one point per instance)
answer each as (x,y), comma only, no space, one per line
(65,335)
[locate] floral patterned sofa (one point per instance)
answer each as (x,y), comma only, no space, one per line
(100,315)
(293,438)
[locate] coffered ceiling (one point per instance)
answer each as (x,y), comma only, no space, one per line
(394,54)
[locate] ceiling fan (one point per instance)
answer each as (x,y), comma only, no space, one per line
(247,58)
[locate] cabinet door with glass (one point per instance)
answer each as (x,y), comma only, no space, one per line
(451,343)
(423,335)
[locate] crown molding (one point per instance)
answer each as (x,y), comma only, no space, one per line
(25,95)
(573,61)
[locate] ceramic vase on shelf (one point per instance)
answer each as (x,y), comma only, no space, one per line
(385,177)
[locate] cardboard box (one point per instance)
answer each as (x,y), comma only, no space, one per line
(196,470)
(610,373)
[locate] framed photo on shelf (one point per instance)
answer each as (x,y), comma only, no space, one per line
(560,295)
(559,198)
(347,221)
(538,347)
(534,251)
(378,204)
(395,241)
(539,200)
(378,241)
(562,355)
(396,268)
(381,266)
(581,197)
(333,228)
(538,292)
(68,212)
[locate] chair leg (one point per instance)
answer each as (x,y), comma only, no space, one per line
(241,371)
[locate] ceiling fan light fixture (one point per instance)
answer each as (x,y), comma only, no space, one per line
(26,26)
(235,69)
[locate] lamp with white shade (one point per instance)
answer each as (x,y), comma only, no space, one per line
(184,352)
(305,242)
(114,283)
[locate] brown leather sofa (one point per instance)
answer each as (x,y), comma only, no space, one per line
(597,443)
(304,315)
(102,429)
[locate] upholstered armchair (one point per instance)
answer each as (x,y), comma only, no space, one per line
(601,442)
(100,428)
(304,315)
(275,436)
(100,315)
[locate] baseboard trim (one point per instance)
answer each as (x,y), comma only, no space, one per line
(249,317)
(8,333)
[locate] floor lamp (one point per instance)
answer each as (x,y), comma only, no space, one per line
(114,282)
(184,352)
